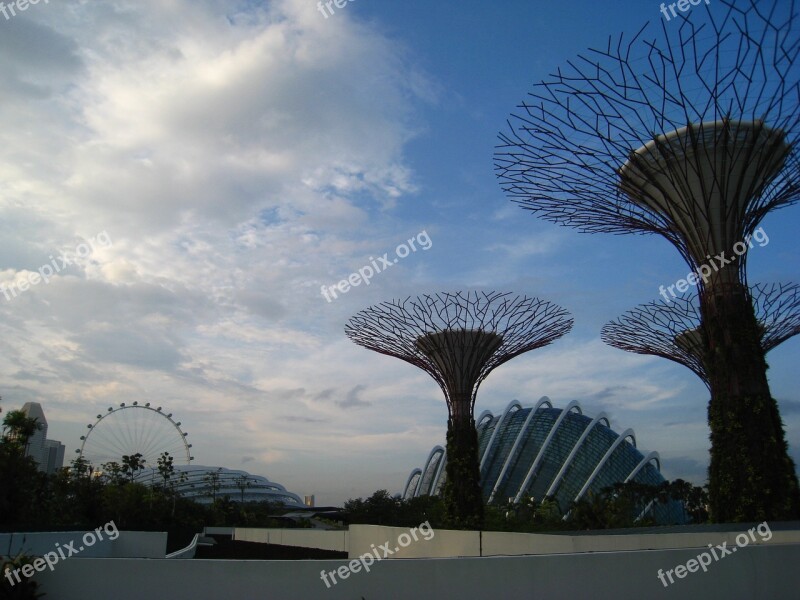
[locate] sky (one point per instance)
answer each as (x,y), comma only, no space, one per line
(209,165)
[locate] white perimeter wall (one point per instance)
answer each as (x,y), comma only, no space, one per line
(449,543)
(444,543)
(129,544)
(302,538)
(766,572)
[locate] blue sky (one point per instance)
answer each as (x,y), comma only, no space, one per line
(240,155)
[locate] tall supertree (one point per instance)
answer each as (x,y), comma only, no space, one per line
(691,135)
(672,330)
(458,339)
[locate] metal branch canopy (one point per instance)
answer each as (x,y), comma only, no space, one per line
(673,331)
(691,136)
(459,338)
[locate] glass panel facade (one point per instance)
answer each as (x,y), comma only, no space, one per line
(591,451)
(571,428)
(412,486)
(621,462)
(430,473)
(529,447)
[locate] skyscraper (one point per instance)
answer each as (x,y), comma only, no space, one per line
(48,454)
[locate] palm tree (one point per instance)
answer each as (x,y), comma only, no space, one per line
(18,428)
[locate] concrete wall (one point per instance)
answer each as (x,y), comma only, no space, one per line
(140,544)
(219,530)
(762,572)
(442,544)
(498,543)
(129,544)
(449,543)
(302,538)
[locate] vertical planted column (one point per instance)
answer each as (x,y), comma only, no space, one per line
(751,476)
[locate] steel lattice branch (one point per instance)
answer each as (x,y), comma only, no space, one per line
(672,330)
(562,153)
(483,330)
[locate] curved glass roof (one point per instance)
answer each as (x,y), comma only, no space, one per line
(197,482)
(544,451)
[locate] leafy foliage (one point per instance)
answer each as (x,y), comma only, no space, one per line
(82,496)
(26,588)
(383,509)
(617,506)
(462,492)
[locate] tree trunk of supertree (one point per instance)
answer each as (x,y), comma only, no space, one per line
(462,491)
(751,476)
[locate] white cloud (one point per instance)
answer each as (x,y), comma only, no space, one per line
(232,154)
(240,155)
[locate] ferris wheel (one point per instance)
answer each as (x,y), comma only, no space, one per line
(134,428)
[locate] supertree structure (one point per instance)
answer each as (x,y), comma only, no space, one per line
(458,338)
(691,135)
(672,330)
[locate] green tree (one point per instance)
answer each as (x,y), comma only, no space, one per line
(26,588)
(114,473)
(212,479)
(548,512)
(77,495)
(18,428)
(590,512)
(379,509)
(694,499)
(242,482)
(166,468)
(132,464)
(22,486)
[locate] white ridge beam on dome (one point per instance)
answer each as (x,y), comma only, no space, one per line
(484,415)
(653,456)
(571,406)
(439,471)
(628,433)
(408,482)
(517,443)
(511,405)
(436,450)
(554,486)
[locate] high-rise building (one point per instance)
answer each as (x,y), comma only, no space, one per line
(54,455)
(35,447)
(48,454)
